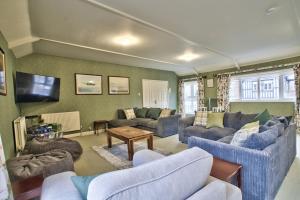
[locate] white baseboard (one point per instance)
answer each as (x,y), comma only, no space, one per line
(79,134)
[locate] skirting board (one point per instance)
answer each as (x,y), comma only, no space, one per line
(79,134)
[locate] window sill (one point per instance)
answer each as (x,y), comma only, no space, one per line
(264,101)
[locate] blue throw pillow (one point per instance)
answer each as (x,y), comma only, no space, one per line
(82,184)
(260,141)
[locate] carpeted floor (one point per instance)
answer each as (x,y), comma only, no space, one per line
(90,163)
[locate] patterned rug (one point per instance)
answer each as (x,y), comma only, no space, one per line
(118,154)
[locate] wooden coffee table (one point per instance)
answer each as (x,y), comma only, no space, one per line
(129,135)
(28,188)
(226,171)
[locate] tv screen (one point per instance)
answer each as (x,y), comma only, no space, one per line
(36,88)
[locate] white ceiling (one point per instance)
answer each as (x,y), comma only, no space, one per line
(225,33)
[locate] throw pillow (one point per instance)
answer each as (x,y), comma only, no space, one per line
(141,112)
(200,118)
(259,141)
(165,113)
(153,113)
(82,184)
(263,117)
(215,120)
(241,135)
(129,113)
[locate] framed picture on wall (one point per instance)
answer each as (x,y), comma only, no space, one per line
(118,85)
(88,84)
(3,86)
(210,83)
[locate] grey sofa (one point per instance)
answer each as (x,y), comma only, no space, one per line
(263,170)
(162,127)
(184,175)
(232,123)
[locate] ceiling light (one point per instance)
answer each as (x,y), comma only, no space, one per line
(126,40)
(271,10)
(188,56)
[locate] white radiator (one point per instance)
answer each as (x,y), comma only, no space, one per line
(70,121)
(20,133)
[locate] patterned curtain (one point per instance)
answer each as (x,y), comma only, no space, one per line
(181,96)
(297,87)
(201,92)
(223,84)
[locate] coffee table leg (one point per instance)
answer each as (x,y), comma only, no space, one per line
(130,149)
(150,142)
(108,140)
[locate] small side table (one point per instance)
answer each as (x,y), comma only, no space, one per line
(100,124)
(28,188)
(226,171)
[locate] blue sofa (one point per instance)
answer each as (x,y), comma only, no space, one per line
(184,175)
(162,127)
(263,170)
(232,123)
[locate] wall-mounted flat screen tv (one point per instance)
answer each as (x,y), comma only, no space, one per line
(36,88)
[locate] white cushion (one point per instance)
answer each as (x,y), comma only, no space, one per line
(200,118)
(175,177)
(129,113)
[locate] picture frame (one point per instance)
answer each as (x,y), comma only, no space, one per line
(210,83)
(118,85)
(88,84)
(3,78)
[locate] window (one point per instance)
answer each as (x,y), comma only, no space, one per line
(190,97)
(267,86)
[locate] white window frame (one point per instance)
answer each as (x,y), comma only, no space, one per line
(260,75)
(195,98)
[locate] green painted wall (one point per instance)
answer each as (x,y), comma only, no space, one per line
(91,107)
(8,108)
(276,108)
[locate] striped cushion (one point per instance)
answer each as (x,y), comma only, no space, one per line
(200,118)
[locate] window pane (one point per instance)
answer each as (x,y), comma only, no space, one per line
(269,87)
(249,90)
(190,96)
(289,86)
(234,92)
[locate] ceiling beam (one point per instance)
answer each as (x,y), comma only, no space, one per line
(128,16)
(106,51)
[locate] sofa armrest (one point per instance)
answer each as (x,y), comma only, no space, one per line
(168,125)
(183,123)
(145,156)
(256,165)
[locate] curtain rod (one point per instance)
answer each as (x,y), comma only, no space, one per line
(289,65)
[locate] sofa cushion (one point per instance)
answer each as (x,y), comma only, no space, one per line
(141,112)
(232,120)
(129,113)
(153,113)
(240,137)
(82,184)
(246,118)
(165,113)
(121,114)
(200,118)
(214,133)
(60,186)
(173,112)
(142,121)
(152,124)
(259,141)
(215,120)
(156,176)
(226,139)
(122,122)
(263,117)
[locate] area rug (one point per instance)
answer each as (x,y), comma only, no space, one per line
(118,154)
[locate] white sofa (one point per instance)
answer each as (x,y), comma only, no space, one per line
(184,175)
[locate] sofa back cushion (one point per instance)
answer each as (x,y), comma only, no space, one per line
(141,112)
(232,120)
(153,113)
(246,118)
(175,177)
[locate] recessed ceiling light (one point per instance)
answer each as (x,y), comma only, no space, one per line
(188,56)
(126,40)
